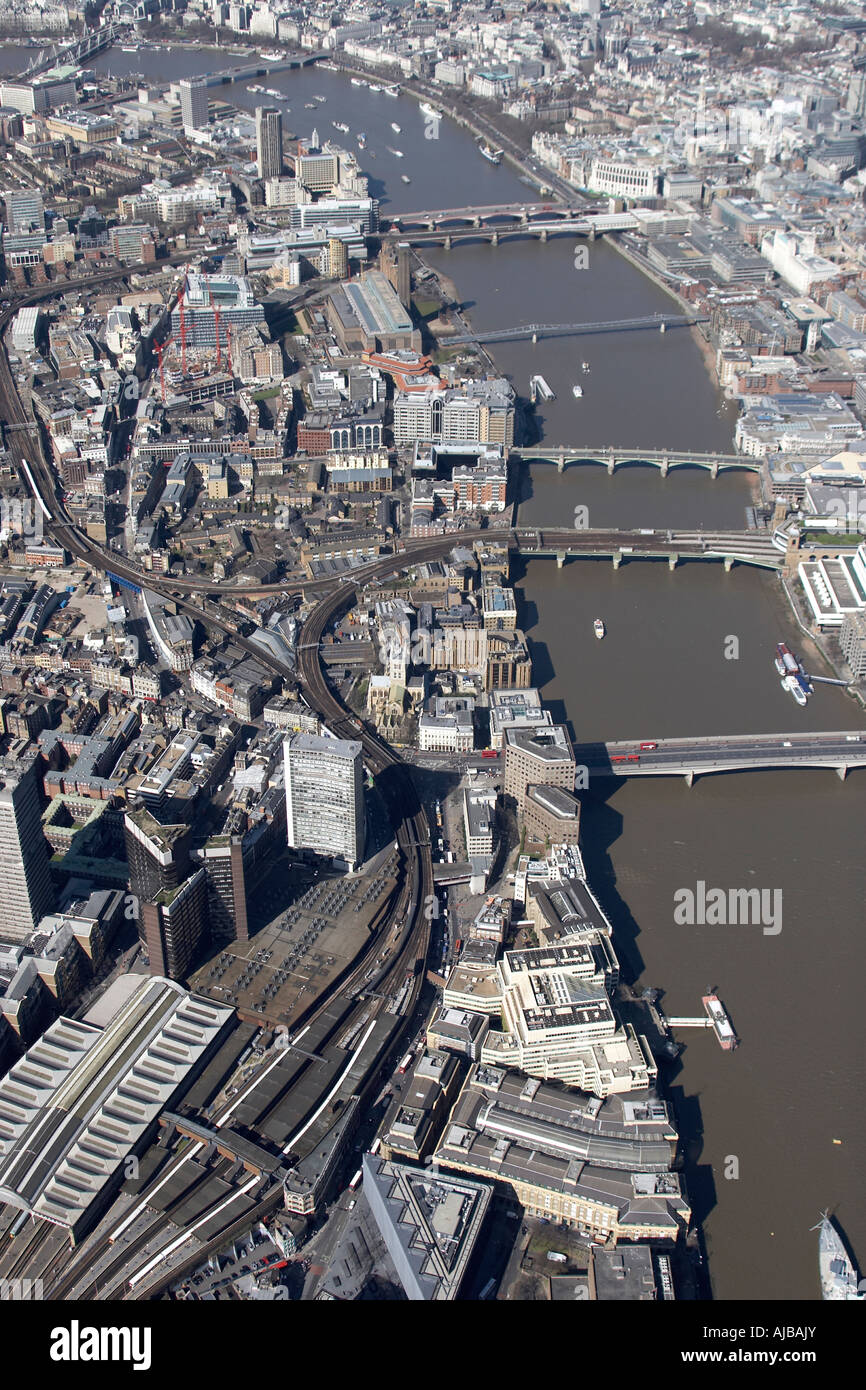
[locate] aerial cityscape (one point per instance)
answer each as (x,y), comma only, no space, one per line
(432,614)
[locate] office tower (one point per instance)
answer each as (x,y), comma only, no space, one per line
(230,296)
(540,757)
(158,855)
(27,891)
(222,859)
(856,100)
(24,210)
(193,103)
(325,796)
(173,926)
(171,903)
(269,142)
(318,170)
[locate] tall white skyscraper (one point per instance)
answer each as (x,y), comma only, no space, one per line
(24,210)
(269,142)
(325,796)
(193,103)
(26,893)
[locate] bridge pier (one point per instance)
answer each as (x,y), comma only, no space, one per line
(476,221)
(543,234)
(560,559)
(841,773)
(593,233)
(729,563)
(560,462)
(665,465)
(447,243)
(494,239)
(611,465)
(690,777)
(617,559)
(672,562)
(535,337)
(714,470)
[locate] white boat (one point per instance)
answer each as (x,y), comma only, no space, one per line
(374,88)
(391,91)
(356,82)
(838,1274)
(362,140)
(584,366)
(397,153)
(395,127)
(792,685)
(577,391)
(494,156)
(428,109)
(272,55)
(405,178)
(599,629)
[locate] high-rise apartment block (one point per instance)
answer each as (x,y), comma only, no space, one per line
(336,259)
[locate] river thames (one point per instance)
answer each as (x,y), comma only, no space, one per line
(768,1114)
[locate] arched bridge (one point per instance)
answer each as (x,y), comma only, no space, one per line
(568,455)
(484,213)
(591,223)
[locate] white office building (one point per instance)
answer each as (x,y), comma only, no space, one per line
(325,796)
(27,891)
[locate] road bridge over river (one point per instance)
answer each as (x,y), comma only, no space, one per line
(691,757)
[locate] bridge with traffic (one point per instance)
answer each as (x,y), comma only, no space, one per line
(492,232)
(141,1264)
(356,1006)
(612,456)
(693,757)
(482,215)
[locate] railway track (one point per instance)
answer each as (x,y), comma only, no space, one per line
(411,939)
